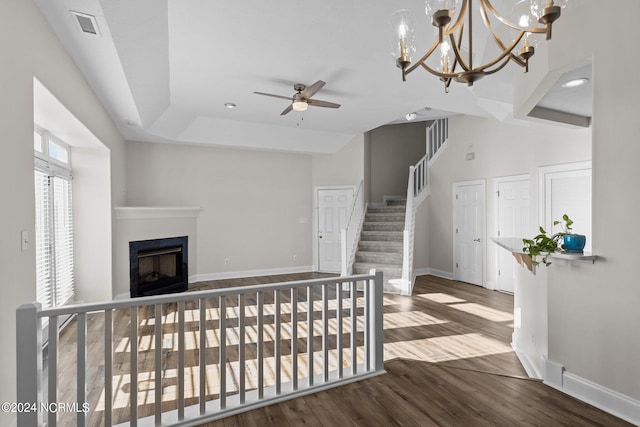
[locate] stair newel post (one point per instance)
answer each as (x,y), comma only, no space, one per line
(406,242)
(28,361)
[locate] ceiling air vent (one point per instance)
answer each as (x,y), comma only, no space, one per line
(87,23)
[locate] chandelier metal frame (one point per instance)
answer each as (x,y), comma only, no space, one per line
(456,34)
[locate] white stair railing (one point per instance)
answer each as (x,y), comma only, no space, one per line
(350,235)
(254,330)
(417,192)
(437,135)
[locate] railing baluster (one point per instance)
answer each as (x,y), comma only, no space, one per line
(202,350)
(108,367)
(376,322)
(260,344)
(294,337)
(81,374)
(52,395)
(325,332)
(277,351)
(367,329)
(222,359)
(241,345)
(310,335)
(339,346)
(180,366)
(354,330)
(133,365)
(157,309)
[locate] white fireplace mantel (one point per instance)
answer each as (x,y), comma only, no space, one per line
(134,223)
(157,212)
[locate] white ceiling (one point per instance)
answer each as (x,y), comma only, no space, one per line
(165,68)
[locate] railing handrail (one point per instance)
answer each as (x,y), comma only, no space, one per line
(353,203)
(186,296)
(349,234)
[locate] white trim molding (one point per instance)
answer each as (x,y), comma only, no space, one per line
(608,400)
(432,272)
(528,364)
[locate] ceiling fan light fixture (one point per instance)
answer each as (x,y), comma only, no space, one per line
(299,106)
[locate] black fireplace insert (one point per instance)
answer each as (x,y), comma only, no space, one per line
(158,266)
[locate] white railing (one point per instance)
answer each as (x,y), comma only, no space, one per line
(437,135)
(407,235)
(161,355)
(350,235)
(417,192)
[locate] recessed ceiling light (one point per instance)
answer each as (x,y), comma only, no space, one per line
(230,105)
(411,116)
(575,82)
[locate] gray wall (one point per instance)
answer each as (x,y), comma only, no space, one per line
(38,53)
(593,308)
(390,150)
(257,206)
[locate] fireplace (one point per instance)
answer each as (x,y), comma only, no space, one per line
(158,266)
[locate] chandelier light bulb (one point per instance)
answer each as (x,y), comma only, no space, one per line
(403,44)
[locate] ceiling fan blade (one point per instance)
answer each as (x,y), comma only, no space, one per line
(313,89)
(286,110)
(318,103)
(275,96)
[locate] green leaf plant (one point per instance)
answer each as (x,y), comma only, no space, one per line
(544,245)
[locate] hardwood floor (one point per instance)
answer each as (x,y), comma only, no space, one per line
(448,360)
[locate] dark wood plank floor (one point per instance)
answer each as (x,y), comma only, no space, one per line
(449,363)
(448,360)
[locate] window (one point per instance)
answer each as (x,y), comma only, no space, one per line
(54,221)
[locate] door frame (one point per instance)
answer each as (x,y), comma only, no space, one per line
(315,241)
(483,184)
(496,182)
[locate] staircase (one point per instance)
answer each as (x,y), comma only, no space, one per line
(380,244)
(386,239)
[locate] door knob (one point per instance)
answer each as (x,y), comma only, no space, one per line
(477,240)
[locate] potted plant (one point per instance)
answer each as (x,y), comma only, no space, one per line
(545,245)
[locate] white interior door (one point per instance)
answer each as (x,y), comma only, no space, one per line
(512,221)
(469,232)
(333,207)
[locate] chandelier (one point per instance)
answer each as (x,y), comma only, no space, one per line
(451,56)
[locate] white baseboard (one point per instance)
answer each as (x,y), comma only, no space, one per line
(438,273)
(608,400)
(251,273)
(524,358)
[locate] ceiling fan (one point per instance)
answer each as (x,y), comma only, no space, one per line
(302,99)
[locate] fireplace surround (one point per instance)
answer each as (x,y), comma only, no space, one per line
(158,266)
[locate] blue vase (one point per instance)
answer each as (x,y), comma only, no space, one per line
(574,243)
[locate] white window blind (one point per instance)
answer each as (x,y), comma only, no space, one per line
(54,232)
